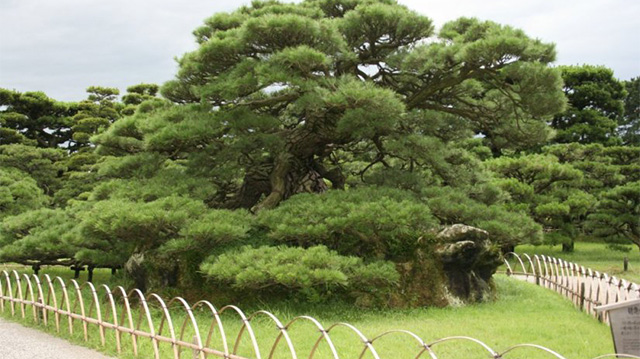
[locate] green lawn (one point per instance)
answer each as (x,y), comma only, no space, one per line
(522,313)
(596,256)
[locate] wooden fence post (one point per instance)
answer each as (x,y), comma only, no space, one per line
(196,352)
(582,293)
(40,310)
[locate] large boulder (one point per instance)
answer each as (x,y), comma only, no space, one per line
(469,260)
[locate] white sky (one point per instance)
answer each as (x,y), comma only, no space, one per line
(62,47)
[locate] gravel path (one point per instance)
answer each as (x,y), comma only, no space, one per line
(18,342)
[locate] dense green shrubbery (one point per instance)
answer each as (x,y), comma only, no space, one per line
(507,227)
(18,192)
(616,216)
(382,223)
(39,236)
(112,230)
(314,273)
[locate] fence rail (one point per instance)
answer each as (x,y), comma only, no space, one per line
(153,320)
(585,287)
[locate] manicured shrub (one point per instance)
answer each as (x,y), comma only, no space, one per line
(313,273)
(379,223)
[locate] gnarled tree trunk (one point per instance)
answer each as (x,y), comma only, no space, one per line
(298,169)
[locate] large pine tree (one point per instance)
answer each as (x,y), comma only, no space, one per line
(303,97)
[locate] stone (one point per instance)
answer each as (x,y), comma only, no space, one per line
(469,260)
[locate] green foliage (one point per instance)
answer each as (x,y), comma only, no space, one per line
(603,168)
(42,236)
(626,159)
(314,273)
(211,231)
(18,192)
(547,190)
(112,230)
(507,227)
(340,89)
(166,182)
(349,126)
(79,178)
(541,173)
(43,164)
(630,123)
(596,106)
(95,114)
(370,110)
(600,169)
(616,217)
(137,94)
(367,222)
(34,116)
(123,137)
(470,43)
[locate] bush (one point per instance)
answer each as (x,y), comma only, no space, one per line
(18,192)
(506,228)
(379,223)
(313,273)
(38,236)
(114,229)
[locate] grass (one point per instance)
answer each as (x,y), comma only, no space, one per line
(596,256)
(522,313)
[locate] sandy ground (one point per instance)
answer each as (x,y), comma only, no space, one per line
(18,342)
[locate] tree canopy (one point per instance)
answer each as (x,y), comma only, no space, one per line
(630,124)
(291,95)
(596,106)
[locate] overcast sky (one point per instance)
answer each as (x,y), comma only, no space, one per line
(62,47)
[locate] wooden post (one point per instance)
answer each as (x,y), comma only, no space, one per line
(77,269)
(90,273)
(582,293)
(41,310)
(626,263)
(196,353)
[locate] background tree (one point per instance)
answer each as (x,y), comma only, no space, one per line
(18,193)
(616,218)
(603,169)
(595,106)
(36,117)
(630,123)
(38,237)
(548,191)
(44,165)
(136,95)
(95,114)
(46,162)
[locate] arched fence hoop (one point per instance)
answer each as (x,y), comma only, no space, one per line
(585,287)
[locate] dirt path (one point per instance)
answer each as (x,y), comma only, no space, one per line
(18,342)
